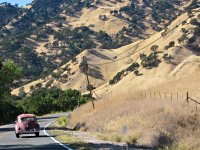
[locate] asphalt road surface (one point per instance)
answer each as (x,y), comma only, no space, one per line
(8,140)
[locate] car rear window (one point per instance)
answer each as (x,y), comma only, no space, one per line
(25,119)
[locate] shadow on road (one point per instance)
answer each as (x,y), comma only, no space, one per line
(76,147)
(42,118)
(7,129)
(31,147)
(59,128)
(32,136)
(13,129)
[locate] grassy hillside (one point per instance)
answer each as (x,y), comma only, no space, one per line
(105,65)
(45,35)
(151,104)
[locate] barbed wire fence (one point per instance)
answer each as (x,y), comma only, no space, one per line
(158,95)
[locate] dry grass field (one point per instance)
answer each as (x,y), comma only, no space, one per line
(150,120)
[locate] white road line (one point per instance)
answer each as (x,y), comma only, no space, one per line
(56,141)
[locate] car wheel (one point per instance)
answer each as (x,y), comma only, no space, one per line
(17,135)
(37,134)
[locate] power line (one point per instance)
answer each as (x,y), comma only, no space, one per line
(140,43)
(134,46)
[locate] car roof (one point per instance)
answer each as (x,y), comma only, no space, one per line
(26,115)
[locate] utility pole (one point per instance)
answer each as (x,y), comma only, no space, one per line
(79,97)
(84,68)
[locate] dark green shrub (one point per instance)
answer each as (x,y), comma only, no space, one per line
(154,47)
(49,83)
(136,72)
(182,38)
(150,61)
(117,77)
(171,44)
(133,67)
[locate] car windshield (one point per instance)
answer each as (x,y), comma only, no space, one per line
(25,119)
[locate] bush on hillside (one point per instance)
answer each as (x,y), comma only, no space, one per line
(150,61)
(117,78)
(133,67)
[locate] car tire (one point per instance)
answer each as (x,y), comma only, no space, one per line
(17,135)
(37,134)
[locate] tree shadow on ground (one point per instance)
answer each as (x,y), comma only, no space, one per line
(60,128)
(7,129)
(100,55)
(95,72)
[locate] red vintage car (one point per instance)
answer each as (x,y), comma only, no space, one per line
(27,124)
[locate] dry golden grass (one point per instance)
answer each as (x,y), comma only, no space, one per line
(148,118)
(74,142)
(128,138)
(90,17)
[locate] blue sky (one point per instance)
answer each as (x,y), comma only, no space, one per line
(19,2)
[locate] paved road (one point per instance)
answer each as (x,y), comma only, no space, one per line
(8,141)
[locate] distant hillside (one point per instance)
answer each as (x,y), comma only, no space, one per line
(49,33)
(156,56)
(7,13)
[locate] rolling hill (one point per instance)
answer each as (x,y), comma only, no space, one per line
(105,64)
(51,35)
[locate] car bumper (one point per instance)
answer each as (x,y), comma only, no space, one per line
(29,131)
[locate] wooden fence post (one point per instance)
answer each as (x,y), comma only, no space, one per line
(187,99)
(191,99)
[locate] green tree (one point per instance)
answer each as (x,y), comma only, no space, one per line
(171,44)
(154,47)
(45,100)
(8,73)
(69,99)
(150,61)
